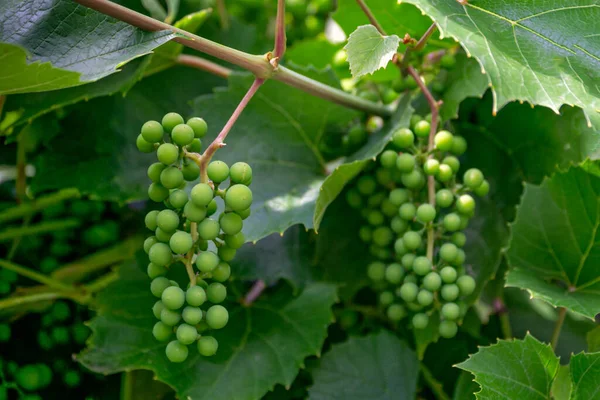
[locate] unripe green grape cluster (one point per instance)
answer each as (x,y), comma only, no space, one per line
(183,231)
(392,198)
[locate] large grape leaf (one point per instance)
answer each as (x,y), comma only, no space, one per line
(278,133)
(513,369)
(561,387)
(554,250)
(593,340)
(375,367)
(546,52)
(261,346)
(368,50)
(53,44)
(465,387)
(585,376)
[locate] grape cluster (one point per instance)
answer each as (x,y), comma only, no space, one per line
(184,230)
(392,197)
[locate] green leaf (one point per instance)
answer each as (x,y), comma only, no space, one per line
(585,375)
(354,164)
(593,340)
(561,387)
(554,249)
(165,55)
(513,369)
(375,367)
(278,134)
(262,345)
(368,50)
(66,44)
(535,52)
(465,387)
(427,336)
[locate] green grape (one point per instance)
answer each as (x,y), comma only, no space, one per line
(152,131)
(382,236)
(431,167)
(448,329)
(231,223)
(365,233)
(170,317)
(388,96)
(72,378)
(192,315)
(399,225)
(149,242)
(459,239)
(376,271)
(241,173)
(207,261)
(4,332)
(195,146)
(207,346)
(173,298)
(29,377)
(407,211)
(160,254)
(60,334)
(162,236)
(422,128)
(195,296)
(405,162)
(143,145)
(450,311)
(395,312)
(158,286)
(157,192)
(222,272)
(407,261)
(182,134)
(444,173)
(186,334)
(167,153)
(191,171)
(425,298)
(216,292)
(176,352)
(171,120)
(465,204)
(171,177)
(375,200)
(412,240)
(473,178)
(47,265)
(411,83)
(238,197)
(217,317)
(420,321)
(444,198)
(408,291)
(61,311)
(193,212)
(235,241)
(45,341)
(394,273)
(421,265)
(403,138)
(451,222)
(226,253)
(453,163)
(157,309)
(353,198)
(448,274)
(398,197)
(464,221)
(432,281)
(181,242)
(413,179)
(450,292)
(154,171)
(448,61)
(426,213)
(386,298)
(466,284)
(375,218)
(178,199)
(161,331)
(211,208)
(448,252)
(388,159)
(459,145)
(483,189)
(198,125)
(399,247)
(202,194)
(366,185)
(443,140)
(208,229)
(217,171)
(398,84)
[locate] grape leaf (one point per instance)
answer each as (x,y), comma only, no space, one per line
(561,387)
(368,50)
(62,44)
(593,340)
(514,369)
(585,376)
(465,387)
(554,249)
(278,134)
(427,336)
(544,53)
(375,367)
(262,345)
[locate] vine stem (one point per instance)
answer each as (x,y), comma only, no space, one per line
(280,38)
(254,293)
(223,15)
(435,386)
(367,11)
(219,140)
(434,106)
(204,65)
(37,229)
(257,64)
(36,276)
(562,313)
(418,46)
